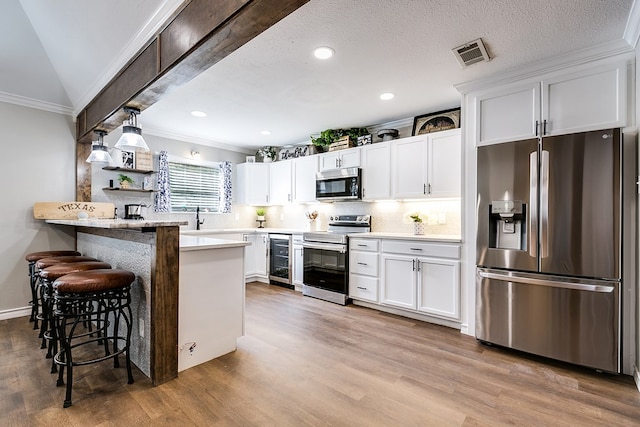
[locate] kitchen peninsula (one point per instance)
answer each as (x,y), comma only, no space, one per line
(152,250)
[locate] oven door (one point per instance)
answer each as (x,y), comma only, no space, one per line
(325,266)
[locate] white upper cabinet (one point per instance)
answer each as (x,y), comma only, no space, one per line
(409,176)
(574,100)
(280,183)
(349,158)
(444,164)
(590,99)
(376,171)
(508,114)
(427,166)
(253,183)
(304,179)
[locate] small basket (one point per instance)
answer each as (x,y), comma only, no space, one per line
(342,143)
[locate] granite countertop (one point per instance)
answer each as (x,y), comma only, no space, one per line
(409,236)
(241,230)
(116,223)
(373,235)
(198,243)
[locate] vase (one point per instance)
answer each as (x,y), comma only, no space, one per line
(418,228)
(267,160)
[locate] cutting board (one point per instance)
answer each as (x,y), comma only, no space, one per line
(70,210)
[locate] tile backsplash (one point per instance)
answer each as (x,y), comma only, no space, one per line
(440,217)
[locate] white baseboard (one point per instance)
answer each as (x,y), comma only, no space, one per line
(15,312)
(409,314)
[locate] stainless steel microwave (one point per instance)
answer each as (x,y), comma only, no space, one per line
(339,184)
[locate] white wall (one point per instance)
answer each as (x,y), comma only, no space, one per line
(38,164)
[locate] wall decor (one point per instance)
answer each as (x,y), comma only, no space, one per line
(365,139)
(294,152)
(250,159)
(144,160)
(129,159)
(435,122)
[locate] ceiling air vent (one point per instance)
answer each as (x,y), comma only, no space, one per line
(470,53)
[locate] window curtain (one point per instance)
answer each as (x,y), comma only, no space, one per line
(162,201)
(225,204)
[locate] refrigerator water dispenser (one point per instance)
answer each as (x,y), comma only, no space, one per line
(506,230)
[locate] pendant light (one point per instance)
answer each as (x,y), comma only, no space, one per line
(131,138)
(99,150)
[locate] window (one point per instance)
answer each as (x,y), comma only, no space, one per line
(195,186)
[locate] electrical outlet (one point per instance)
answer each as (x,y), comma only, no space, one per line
(237,216)
(281,216)
(141,327)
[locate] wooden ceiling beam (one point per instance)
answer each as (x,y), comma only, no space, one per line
(194,39)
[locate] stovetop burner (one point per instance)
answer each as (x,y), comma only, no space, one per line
(339,227)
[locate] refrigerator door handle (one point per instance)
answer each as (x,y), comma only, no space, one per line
(533,204)
(544,204)
(551,283)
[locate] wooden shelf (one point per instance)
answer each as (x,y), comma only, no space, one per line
(138,190)
(117,168)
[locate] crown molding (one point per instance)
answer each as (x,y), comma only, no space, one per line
(615,49)
(146,34)
(632,30)
(36,104)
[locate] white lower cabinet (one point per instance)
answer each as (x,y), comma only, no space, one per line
(422,277)
(298,262)
(439,287)
(255,257)
(363,269)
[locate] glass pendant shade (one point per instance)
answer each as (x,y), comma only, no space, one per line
(131,138)
(99,150)
(99,154)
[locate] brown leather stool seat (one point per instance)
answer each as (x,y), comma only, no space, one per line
(48,276)
(40,291)
(48,262)
(104,297)
(33,278)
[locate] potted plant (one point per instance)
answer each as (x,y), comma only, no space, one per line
(268,154)
(418,225)
(125,181)
(329,136)
(261,212)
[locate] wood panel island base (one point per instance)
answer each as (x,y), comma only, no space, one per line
(150,249)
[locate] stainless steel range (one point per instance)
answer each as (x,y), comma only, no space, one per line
(326,256)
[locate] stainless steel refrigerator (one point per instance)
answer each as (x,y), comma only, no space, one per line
(549,247)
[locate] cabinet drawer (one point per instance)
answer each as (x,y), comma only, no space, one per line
(363,287)
(407,247)
(363,263)
(364,244)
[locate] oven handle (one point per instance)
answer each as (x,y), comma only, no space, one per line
(326,247)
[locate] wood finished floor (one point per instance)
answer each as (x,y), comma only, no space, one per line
(306,362)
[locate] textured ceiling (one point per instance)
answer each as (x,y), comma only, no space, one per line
(274,83)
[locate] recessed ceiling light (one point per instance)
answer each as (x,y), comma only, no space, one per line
(199,114)
(387,96)
(323,52)
(266,132)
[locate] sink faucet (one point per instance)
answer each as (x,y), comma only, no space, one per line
(198,222)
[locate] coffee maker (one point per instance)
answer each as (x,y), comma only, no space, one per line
(133,211)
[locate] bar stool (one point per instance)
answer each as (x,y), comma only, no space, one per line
(104,296)
(33,277)
(42,264)
(47,276)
